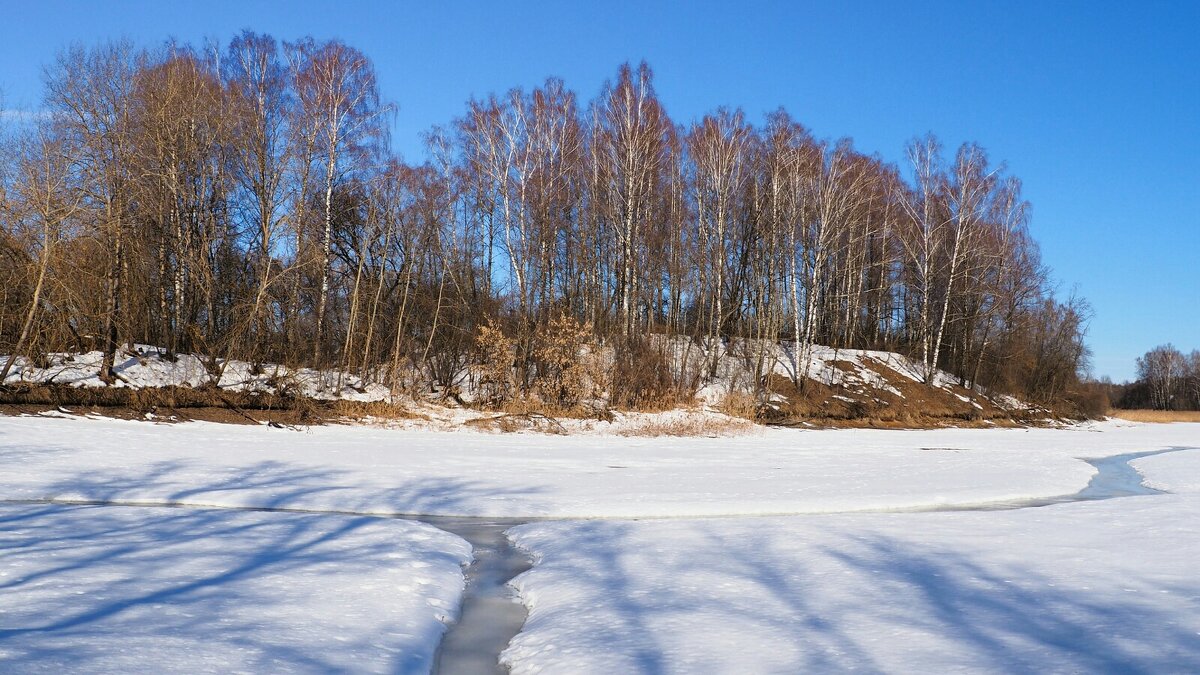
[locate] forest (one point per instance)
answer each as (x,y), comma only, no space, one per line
(242,201)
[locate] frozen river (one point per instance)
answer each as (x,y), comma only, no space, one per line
(841,550)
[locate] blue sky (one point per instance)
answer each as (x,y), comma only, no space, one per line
(1095,106)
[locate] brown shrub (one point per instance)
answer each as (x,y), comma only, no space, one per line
(1090,402)
(642,379)
(495,354)
(563,379)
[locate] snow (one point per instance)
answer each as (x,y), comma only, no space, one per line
(857,369)
(133,590)
(374,470)
(140,366)
(1173,472)
(812,565)
(365,469)
(1107,586)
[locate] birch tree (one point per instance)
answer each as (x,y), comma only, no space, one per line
(631,140)
(339,95)
(262,153)
(719,146)
(922,240)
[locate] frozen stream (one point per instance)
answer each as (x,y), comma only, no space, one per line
(1114,478)
(490,616)
(1117,478)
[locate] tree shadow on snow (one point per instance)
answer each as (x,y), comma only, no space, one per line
(830,608)
(1007,617)
(274,484)
(712,592)
(81,583)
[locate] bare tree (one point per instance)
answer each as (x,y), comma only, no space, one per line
(89,94)
(339,94)
(631,140)
(1164,368)
(263,151)
(720,147)
(180,137)
(43,205)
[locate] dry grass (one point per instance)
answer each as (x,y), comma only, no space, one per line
(690,425)
(509,423)
(143,399)
(526,406)
(359,410)
(1161,416)
(739,404)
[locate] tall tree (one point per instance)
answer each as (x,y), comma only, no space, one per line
(89,94)
(42,205)
(339,96)
(720,147)
(1164,368)
(263,149)
(632,139)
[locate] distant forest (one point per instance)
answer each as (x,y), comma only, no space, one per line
(242,201)
(1167,379)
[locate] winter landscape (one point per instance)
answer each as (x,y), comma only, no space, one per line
(569,338)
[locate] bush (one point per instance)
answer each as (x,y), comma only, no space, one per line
(642,377)
(563,379)
(1090,401)
(495,355)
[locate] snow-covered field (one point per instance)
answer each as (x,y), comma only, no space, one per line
(120,590)
(822,577)
(364,469)
(1097,587)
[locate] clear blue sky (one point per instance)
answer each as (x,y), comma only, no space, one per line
(1095,105)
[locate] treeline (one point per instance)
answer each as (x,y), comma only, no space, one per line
(243,201)
(1167,379)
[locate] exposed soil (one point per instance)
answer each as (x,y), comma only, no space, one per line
(181,404)
(859,405)
(813,405)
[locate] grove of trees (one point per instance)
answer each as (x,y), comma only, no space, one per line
(242,201)
(1168,379)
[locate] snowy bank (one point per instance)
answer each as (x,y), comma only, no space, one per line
(813,382)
